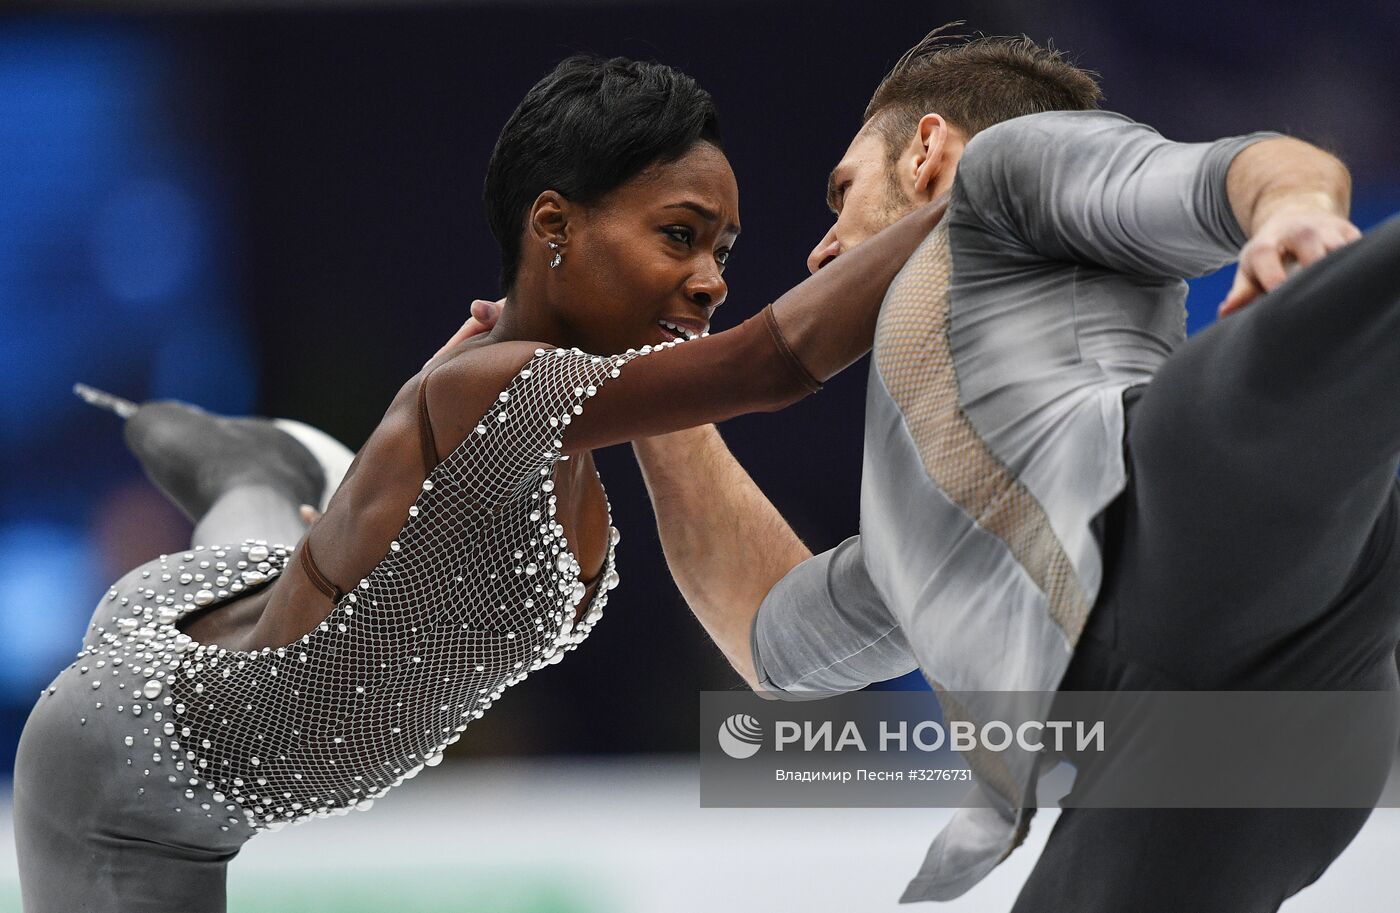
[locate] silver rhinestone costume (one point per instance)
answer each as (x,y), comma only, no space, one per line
(136,793)
(478,589)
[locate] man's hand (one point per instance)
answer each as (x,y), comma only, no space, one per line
(483,319)
(1292,236)
(1292,201)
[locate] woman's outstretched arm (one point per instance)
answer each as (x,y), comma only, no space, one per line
(766,363)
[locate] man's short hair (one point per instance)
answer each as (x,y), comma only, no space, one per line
(974,82)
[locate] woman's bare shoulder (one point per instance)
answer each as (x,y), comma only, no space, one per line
(487,369)
(464,383)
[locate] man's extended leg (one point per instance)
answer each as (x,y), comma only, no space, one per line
(1173,860)
(1207,860)
(1263,455)
(1255,547)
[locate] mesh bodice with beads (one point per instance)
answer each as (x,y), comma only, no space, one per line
(478,589)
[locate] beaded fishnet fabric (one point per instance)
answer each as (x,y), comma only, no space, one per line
(478,589)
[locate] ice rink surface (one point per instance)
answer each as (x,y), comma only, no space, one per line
(614,836)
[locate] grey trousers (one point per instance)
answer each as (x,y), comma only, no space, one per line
(104,818)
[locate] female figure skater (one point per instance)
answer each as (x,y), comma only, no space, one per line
(237,687)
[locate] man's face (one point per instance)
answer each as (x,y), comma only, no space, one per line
(864,194)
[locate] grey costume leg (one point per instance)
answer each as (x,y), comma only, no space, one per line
(107,819)
(236,478)
(107,825)
(250,512)
(258,510)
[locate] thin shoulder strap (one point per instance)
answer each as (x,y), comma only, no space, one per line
(430,461)
(589,581)
(318,579)
(425,427)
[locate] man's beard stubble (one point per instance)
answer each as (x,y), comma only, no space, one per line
(896,203)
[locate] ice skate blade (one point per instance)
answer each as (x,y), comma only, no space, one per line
(124,408)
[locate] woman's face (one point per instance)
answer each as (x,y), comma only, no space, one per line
(646,264)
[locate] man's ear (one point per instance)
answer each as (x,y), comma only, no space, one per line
(932,140)
(548,219)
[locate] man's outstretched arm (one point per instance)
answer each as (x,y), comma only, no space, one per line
(726,544)
(793,625)
(1094,187)
(790,624)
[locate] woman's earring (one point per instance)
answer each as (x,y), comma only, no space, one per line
(558,257)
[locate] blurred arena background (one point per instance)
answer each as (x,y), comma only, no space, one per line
(275,208)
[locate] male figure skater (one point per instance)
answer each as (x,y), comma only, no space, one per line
(1060,490)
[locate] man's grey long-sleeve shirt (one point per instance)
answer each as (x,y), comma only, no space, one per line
(994,430)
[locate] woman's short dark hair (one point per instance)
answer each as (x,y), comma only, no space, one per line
(585,129)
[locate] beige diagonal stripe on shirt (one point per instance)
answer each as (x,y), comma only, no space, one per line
(915,360)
